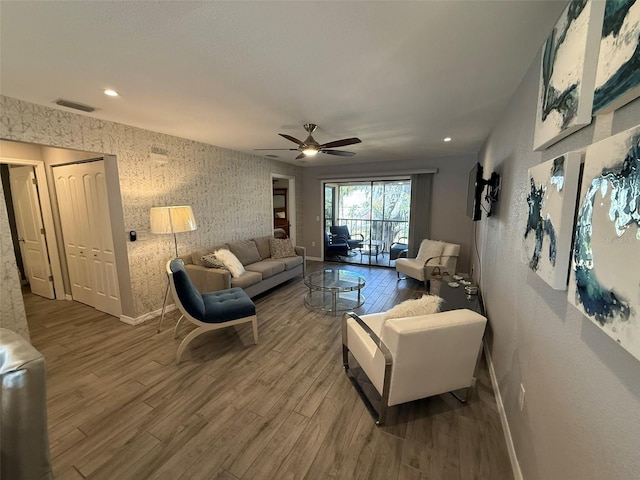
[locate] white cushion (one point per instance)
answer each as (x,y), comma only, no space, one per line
(430,249)
(412,267)
(425,305)
(230,261)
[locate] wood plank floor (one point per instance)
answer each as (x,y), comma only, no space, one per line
(119,407)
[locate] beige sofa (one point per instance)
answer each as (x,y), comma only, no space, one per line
(261,271)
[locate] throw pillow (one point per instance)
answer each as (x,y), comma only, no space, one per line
(245,251)
(263,246)
(426,305)
(281,248)
(211,261)
(230,261)
(429,249)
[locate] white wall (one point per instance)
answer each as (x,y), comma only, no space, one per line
(581,418)
(449,198)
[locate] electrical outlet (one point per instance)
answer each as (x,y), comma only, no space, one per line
(521,397)
(313,244)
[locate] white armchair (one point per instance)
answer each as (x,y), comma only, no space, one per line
(415,357)
(433,256)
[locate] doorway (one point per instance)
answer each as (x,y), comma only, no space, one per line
(283,204)
(40,160)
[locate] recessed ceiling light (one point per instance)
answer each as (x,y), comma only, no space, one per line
(446,139)
(111,93)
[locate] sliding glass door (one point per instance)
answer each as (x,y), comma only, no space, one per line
(374,212)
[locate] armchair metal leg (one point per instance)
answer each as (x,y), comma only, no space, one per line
(461,394)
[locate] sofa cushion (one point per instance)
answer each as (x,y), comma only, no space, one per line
(246,279)
(281,248)
(211,261)
(263,246)
(266,268)
(196,257)
(245,250)
(426,305)
(230,261)
(291,262)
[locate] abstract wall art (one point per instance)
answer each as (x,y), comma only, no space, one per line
(568,72)
(618,74)
(551,201)
(604,279)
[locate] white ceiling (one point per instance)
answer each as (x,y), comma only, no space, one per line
(399,75)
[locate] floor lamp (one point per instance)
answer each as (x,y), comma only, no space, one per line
(175,219)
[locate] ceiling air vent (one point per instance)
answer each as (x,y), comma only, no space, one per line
(78,106)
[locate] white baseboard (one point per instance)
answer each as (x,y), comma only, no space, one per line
(68,297)
(515,465)
(314,259)
(147,316)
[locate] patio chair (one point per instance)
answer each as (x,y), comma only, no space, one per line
(335,246)
(342,231)
(398,248)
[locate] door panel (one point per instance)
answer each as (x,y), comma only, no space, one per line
(86,225)
(71,215)
(33,243)
(106,291)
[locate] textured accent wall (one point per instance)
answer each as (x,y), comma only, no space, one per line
(581,414)
(12,315)
(230,192)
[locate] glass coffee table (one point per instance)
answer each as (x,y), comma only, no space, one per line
(333,290)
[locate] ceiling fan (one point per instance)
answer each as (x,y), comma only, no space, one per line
(310,147)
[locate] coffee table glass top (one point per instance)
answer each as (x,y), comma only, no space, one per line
(334,279)
(333,290)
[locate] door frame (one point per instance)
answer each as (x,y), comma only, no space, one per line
(47,219)
(291,204)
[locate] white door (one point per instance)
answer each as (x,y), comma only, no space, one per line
(86,227)
(106,292)
(31,233)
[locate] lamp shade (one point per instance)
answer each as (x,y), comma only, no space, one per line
(174,219)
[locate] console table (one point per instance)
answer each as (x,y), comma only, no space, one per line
(456,297)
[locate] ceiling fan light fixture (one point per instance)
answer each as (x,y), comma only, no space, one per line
(310,151)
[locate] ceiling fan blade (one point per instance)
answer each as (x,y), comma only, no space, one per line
(302,155)
(287,149)
(341,143)
(340,153)
(293,139)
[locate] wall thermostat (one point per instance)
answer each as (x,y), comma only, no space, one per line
(133,236)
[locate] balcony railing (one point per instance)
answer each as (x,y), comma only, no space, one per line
(387,231)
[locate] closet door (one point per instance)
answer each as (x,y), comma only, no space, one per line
(106,293)
(73,219)
(86,227)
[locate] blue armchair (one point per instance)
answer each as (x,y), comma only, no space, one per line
(208,311)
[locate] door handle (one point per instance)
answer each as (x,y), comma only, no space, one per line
(21,239)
